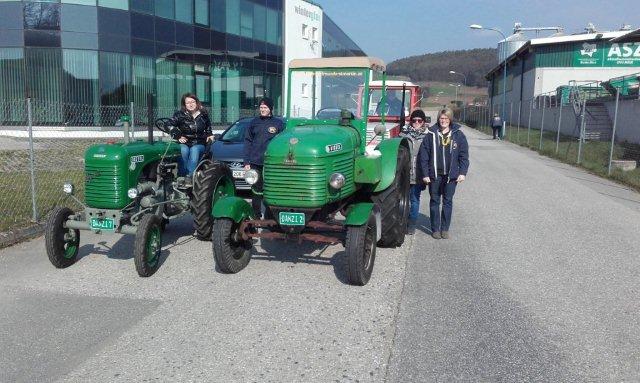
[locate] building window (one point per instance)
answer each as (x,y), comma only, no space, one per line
(305,31)
(12,81)
(184,11)
(164,8)
(246,19)
(117,4)
(144,6)
(42,16)
(314,34)
(202,12)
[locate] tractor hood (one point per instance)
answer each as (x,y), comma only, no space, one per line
(315,141)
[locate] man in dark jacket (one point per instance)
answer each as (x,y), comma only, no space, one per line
(260,131)
(444,162)
(496,126)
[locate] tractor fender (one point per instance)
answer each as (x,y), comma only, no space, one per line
(358,215)
(232,207)
(389,149)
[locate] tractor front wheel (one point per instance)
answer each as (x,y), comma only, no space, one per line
(211,183)
(360,246)
(394,203)
(148,245)
(230,252)
(62,243)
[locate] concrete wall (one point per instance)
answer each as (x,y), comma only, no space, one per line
(628,126)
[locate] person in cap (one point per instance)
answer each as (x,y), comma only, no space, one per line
(260,131)
(415,133)
(444,162)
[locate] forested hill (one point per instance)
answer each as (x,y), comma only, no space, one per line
(473,63)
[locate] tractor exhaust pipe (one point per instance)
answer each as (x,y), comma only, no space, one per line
(402,116)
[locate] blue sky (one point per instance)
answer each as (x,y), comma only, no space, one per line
(392,29)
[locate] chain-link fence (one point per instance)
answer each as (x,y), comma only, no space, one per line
(42,146)
(594,125)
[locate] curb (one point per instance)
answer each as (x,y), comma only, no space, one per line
(10,238)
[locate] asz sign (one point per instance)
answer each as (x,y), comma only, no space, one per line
(607,55)
(625,53)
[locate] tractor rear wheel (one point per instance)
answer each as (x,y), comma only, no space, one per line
(394,203)
(211,183)
(148,245)
(230,253)
(62,243)
(360,247)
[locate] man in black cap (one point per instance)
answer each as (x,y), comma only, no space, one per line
(259,132)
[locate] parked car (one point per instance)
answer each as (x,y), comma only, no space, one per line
(229,148)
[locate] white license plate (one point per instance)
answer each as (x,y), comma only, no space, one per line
(238,173)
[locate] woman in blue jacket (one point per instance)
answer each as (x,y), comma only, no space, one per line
(444,162)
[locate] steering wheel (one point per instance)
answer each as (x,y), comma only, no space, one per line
(161,125)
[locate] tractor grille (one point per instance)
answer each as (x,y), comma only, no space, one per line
(105,187)
(295,185)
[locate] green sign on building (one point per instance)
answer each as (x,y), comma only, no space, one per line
(607,55)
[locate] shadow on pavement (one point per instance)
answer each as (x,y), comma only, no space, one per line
(305,252)
(177,233)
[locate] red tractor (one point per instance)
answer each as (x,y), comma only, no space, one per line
(394,106)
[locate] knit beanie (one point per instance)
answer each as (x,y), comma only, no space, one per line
(267,102)
(418,113)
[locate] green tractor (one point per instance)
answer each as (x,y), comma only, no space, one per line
(132,187)
(320,167)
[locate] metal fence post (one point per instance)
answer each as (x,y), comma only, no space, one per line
(558,132)
(133,118)
(613,134)
(581,138)
(544,106)
(34,207)
(529,124)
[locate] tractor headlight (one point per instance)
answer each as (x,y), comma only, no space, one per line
(132,193)
(251,176)
(67,188)
(337,180)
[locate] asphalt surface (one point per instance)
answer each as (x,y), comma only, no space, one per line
(538,283)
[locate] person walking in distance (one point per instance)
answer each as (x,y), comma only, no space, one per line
(496,126)
(415,133)
(444,162)
(260,131)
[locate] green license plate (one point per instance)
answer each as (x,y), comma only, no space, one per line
(291,219)
(102,223)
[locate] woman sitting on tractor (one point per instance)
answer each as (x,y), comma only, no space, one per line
(192,128)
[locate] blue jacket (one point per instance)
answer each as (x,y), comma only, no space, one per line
(259,132)
(431,153)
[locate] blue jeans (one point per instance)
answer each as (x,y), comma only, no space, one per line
(190,158)
(441,188)
(414,201)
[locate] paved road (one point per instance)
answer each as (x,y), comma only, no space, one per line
(540,283)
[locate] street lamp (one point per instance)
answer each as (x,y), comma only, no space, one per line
(504,62)
(456,85)
(465,84)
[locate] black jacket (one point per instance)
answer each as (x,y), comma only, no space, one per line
(431,153)
(259,132)
(196,131)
